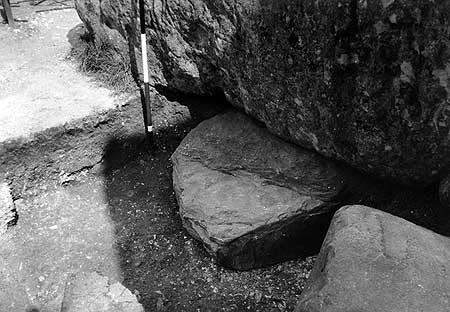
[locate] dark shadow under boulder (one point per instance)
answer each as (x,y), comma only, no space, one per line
(363,82)
(254,199)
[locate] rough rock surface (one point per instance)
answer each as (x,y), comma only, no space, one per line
(365,82)
(94,293)
(254,199)
(8,213)
(374,262)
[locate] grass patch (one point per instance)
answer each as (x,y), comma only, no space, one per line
(99,59)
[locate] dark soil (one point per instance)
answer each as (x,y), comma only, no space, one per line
(167,269)
(161,264)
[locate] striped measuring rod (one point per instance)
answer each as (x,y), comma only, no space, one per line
(145,94)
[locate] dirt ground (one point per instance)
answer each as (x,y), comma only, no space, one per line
(92,196)
(39,88)
(112,210)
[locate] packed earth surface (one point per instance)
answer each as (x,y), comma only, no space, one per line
(119,217)
(92,197)
(39,88)
(91,208)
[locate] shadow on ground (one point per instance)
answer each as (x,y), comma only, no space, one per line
(160,263)
(169,271)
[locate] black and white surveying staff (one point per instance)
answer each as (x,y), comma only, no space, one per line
(145,92)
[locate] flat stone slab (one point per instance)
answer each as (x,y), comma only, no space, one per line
(372,261)
(94,293)
(254,199)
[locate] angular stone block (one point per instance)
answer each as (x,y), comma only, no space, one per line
(254,199)
(372,261)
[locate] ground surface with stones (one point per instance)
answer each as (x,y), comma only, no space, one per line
(91,197)
(119,217)
(95,209)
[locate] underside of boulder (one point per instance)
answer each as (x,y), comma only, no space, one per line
(364,82)
(372,261)
(254,199)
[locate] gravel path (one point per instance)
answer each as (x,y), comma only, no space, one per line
(39,87)
(62,231)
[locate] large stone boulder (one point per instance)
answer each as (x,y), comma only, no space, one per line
(372,261)
(365,82)
(254,199)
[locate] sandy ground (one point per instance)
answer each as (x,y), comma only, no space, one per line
(118,216)
(62,231)
(39,87)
